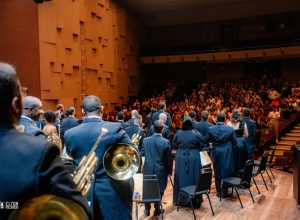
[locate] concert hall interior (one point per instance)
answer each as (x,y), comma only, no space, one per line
(132,102)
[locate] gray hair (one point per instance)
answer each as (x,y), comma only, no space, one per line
(138,119)
(91,104)
(163,117)
(134,113)
(31,102)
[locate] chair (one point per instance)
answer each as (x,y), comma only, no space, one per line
(151,192)
(269,163)
(240,183)
(261,169)
(203,187)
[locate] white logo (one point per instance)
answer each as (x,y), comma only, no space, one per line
(9,205)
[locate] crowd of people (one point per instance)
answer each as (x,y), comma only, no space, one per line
(223,117)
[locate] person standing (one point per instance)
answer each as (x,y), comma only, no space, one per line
(162,109)
(203,125)
(136,129)
(241,132)
(69,122)
(120,119)
(30,115)
(274,117)
(250,140)
(166,130)
(34,167)
(188,163)
(111,199)
(157,151)
(133,114)
(223,139)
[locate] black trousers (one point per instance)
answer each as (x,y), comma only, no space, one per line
(156,204)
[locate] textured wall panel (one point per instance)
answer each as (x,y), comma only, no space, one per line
(87,47)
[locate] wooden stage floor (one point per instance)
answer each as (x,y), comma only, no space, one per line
(276,203)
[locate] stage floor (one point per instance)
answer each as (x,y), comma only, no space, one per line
(275,203)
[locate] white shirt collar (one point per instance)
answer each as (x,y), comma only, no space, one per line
(30,119)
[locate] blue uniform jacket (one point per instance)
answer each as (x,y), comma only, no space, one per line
(111,199)
(69,122)
(165,133)
(155,117)
(223,139)
(157,150)
(32,167)
(202,127)
(134,129)
(30,127)
(188,163)
(251,125)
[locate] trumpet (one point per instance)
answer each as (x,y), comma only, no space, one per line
(83,174)
(136,138)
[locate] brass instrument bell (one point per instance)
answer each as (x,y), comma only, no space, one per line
(121,161)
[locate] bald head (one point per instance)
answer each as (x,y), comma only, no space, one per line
(11,103)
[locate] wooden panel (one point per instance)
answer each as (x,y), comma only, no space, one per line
(224,56)
(85,47)
(19,41)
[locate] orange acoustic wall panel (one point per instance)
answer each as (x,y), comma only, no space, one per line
(19,41)
(87,47)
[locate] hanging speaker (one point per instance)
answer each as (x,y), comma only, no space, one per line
(38,1)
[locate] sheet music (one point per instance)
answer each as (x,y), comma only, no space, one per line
(205,159)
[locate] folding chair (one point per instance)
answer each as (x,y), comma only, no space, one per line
(261,169)
(151,193)
(240,183)
(203,187)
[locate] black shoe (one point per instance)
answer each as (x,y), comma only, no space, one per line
(147,212)
(157,212)
(226,195)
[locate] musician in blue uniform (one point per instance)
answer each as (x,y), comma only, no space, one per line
(112,199)
(241,132)
(120,119)
(157,151)
(203,125)
(138,130)
(30,166)
(251,133)
(166,130)
(30,116)
(188,163)
(162,109)
(69,122)
(223,139)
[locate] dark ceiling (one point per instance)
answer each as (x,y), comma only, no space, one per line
(175,12)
